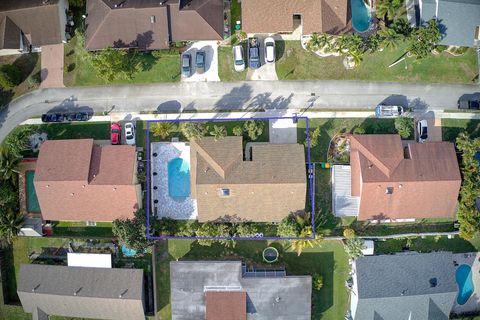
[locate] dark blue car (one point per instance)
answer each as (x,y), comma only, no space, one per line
(253,53)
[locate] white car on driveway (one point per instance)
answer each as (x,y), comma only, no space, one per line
(269,46)
(422,131)
(238,59)
(129,133)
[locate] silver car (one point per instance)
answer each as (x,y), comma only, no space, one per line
(238,58)
(129,133)
(383,110)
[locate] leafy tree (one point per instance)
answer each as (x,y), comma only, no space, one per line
(348,233)
(359,130)
(133,232)
(354,247)
(404,127)
(18,141)
(389,9)
(77,3)
(193,130)
(10,75)
(214,230)
(113,64)
(237,131)
(188,229)
(8,167)
(163,129)
(402,27)
(218,132)
(424,39)
(317,281)
(314,135)
(307,240)
(8,195)
(254,128)
(373,42)
(246,230)
(11,222)
(288,228)
(390,38)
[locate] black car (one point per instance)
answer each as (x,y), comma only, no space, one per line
(468,104)
(53,117)
(78,116)
(253,53)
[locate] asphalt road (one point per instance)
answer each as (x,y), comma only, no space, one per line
(222,96)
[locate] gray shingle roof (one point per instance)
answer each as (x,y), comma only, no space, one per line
(400,286)
(82,292)
(458,18)
(280,298)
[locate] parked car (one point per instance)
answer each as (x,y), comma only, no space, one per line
(253,53)
(238,59)
(78,116)
(53,117)
(422,131)
(383,110)
(200,61)
(465,103)
(129,133)
(186,65)
(115,133)
(269,45)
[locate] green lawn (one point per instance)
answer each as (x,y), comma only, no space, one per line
(330,260)
(295,63)
(72,229)
(74,130)
(236,13)
(226,72)
(29,65)
(80,72)
(428,244)
(13,312)
(451,128)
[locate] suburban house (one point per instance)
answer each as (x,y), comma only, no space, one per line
(27,25)
(308,16)
(265,186)
(392,182)
(151,24)
(404,286)
(459,19)
(220,290)
(78,180)
(81,292)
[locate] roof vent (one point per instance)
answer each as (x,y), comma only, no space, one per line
(72,194)
(433,282)
(47,186)
(76,292)
(277,299)
(122,294)
(389,190)
(370,166)
(152,19)
(36,287)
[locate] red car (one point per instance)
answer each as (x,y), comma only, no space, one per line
(115,133)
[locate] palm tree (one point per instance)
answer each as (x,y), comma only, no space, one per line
(307,240)
(163,129)
(390,38)
(354,247)
(218,132)
(10,223)
(314,42)
(9,166)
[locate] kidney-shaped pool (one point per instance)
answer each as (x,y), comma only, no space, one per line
(463,276)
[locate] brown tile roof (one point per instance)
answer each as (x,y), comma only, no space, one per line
(422,180)
(268,188)
(226,305)
(130,25)
(272,16)
(39,22)
(76,180)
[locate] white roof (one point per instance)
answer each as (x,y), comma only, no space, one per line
(93,260)
(368,248)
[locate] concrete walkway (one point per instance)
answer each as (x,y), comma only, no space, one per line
(51,72)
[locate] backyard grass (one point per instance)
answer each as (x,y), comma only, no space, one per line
(428,244)
(80,72)
(74,130)
(14,312)
(295,63)
(73,229)
(236,13)
(226,71)
(330,260)
(451,128)
(29,65)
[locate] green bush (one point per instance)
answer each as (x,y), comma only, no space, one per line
(254,129)
(10,76)
(404,127)
(317,281)
(288,228)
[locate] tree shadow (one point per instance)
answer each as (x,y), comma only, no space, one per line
(396,100)
(173,106)
(235,99)
(26,63)
(142,42)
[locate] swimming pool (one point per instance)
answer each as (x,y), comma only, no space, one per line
(360,15)
(32,201)
(178,178)
(463,276)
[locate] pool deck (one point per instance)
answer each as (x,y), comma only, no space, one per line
(167,206)
(25,165)
(473,303)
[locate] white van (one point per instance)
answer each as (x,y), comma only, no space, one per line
(238,59)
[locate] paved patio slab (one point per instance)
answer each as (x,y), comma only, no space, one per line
(51,73)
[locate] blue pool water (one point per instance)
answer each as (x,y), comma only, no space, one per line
(178,178)
(360,15)
(463,276)
(127,252)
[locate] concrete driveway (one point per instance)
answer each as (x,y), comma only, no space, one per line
(51,73)
(211,62)
(434,126)
(266,71)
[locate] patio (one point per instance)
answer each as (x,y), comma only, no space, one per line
(162,203)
